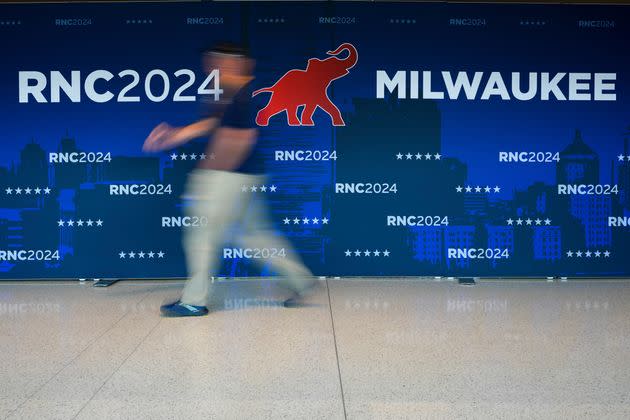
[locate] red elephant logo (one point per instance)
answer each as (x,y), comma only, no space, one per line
(308,88)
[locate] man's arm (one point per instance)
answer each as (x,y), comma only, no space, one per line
(184,134)
(230,147)
(166,137)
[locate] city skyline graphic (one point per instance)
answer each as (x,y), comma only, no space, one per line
(442,156)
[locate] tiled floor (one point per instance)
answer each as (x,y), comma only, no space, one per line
(388,348)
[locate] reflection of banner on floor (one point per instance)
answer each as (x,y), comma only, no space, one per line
(400,139)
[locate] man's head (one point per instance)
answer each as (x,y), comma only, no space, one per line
(233,61)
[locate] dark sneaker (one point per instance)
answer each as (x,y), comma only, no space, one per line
(297,297)
(177,309)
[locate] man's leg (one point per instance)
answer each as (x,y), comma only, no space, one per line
(214,196)
(258,233)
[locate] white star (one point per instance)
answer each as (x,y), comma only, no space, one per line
(212,156)
(367,253)
(348,253)
(46,190)
(70,222)
(519,222)
(529,222)
(538,222)
(578,254)
(263,188)
(607,254)
(202,156)
(306,220)
(510,222)
(418,156)
(438,156)
(377,253)
(18,190)
(588,254)
(141,254)
(193,156)
(254,188)
(477,189)
(90,222)
(547,222)
(183,156)
(99,222)
(38,190)
(408,156)
(497,189)
(628,158)
(315,221)
(357,253)
(459,188)
(132,254)
(80,222)
(60,223)
(325,220)
(151,254)
(273,188)
(428,156)
(244,188)
(27,190)
(160,254)
(487,189)
(569,254)
(174,156)
(121,255)
(296,221)
(8,190)
(468,189)
(598,254)
(620,158)
(386,253)
(399,156)
(286,220)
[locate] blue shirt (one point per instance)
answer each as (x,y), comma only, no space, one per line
(239,113)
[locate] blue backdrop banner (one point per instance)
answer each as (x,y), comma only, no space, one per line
(458,140)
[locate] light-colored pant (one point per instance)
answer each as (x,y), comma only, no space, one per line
(218,196)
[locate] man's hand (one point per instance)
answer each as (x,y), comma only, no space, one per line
(165,137)
(159,138)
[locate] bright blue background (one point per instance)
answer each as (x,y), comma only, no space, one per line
(468,134)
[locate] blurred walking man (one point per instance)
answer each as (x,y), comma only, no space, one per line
(215,185)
